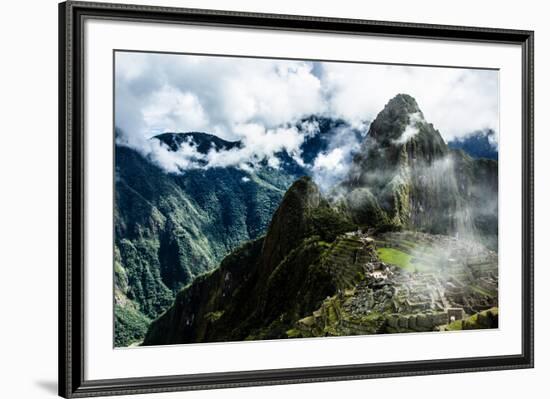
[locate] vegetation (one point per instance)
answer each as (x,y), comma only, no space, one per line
(223,255)
(171,228)
(396,257)
(262,289)
(486,319)
(130,324)
(328,224)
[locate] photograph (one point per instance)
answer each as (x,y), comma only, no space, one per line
(291,199)
(271,199)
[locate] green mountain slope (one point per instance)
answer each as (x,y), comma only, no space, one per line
(171,228)
(478,144)
(264,287)
(315,273)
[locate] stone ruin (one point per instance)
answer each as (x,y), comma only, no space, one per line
(456,283)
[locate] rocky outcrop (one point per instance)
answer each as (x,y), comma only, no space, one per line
(290,222)
(406,177)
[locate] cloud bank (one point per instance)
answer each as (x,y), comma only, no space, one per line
(261,102)
(332,165)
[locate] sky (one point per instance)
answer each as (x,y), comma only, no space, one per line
(260,101)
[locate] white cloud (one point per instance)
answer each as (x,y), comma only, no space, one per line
(309,128)
(332,165)
(258,144)
(259,101)
(330,161)
(457,101)
(211,93)
(411,129)
(170,108)
(270,92)
(187,157)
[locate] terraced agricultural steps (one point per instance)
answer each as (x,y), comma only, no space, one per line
(411,282)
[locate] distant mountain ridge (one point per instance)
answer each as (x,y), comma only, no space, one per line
(204,142)
(479,144)
(172,227)
(323,131)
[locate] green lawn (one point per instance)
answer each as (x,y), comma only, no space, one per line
(396,257)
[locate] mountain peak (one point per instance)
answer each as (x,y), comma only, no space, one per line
(290,222)
(393,173)
(403,102)
(204,142)
(391,123)
(478,144)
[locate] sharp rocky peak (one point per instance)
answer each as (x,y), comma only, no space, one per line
(391,124)
(289,223)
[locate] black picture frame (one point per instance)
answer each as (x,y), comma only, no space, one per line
(71,199)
